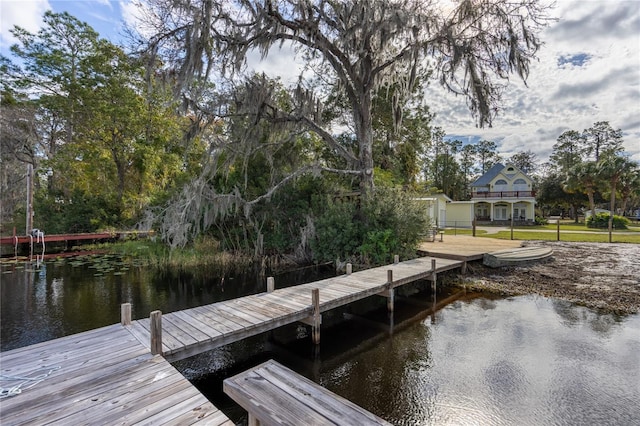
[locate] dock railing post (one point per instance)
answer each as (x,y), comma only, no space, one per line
(315,327)
(125,314)
(349,268)
(396,259)
(271,284)
(156,332)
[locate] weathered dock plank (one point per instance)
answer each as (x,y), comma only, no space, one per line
(274,394)
(98,384)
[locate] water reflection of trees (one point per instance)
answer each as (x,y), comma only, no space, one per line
(572,315)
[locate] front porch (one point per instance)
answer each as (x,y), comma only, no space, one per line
(500,212)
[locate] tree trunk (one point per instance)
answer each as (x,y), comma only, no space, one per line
(592,204)
(121,170)
(29,219)
(364,134)
(612,206)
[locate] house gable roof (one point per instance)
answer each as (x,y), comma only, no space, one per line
(486,178)
(493,172)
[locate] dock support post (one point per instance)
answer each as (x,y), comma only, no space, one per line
(271,284)
(315,327)
(252,421)
(349,268)
(390,291)
(125,314)
(156,333)
(434,276)
(463,268)
(396,259)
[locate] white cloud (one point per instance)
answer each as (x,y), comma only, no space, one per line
(281,61)
(25,14)
(131,13)
(602,83)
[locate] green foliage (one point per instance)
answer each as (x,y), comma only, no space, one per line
(87,213)
(338,235)
(378,246)
(108,143)
(541,221)
(601,220)
(389,222)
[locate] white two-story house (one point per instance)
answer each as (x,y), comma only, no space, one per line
(502,193)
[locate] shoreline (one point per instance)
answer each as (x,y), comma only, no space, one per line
(600,276)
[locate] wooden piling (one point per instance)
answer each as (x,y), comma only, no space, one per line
(390,291)
(396,259)
(271,284)
(125,314)
(349,268)
(434,276)
(156,332)
(315,328)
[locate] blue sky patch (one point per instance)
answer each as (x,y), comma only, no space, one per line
(576,60)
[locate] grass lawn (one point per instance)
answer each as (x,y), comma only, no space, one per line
(571,233)
(580,226)
(567,236)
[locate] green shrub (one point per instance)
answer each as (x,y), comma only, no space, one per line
(379,246)
(601,220)
(389,222)
(541,220)
(338,235)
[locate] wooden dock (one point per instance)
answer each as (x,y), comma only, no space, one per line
(100,377)
(110,375)
(193,331)
(275,395)
(465,247)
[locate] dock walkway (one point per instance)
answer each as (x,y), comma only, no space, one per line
(110,376)
(101,377)
(192,331)
(271,394)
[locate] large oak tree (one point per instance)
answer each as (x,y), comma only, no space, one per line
(357,48)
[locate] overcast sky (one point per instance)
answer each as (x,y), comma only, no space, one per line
(588,71)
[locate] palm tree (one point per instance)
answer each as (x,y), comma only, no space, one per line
(629,185)
(612,168)
(583,177)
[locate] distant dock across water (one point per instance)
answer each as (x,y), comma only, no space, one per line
(36,244)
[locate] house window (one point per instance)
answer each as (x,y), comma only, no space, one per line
(500,185)
(520,214)
(520,185)
(501,213)
(482,211)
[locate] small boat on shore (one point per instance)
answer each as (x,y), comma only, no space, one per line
(513,256)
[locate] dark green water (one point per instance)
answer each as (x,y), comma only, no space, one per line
(476,361)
